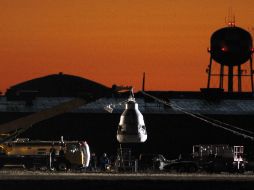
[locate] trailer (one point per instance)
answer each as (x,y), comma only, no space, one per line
(219,158)
(53,155)
(204,158)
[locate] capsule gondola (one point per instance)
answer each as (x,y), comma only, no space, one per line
(131,127)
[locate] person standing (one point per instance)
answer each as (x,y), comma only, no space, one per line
(104,162)
(93,162)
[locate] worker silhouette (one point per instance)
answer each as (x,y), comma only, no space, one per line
(61,154)
(52,158)
(93,162)
(104,162)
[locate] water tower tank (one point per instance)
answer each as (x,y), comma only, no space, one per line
(231,46)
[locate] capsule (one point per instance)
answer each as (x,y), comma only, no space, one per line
(131,127)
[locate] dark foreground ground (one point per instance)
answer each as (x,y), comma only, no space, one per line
(15,179)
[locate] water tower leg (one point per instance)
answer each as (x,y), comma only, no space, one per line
(221,75)
(230,78)
(209,72)
(251,75)
(239,79)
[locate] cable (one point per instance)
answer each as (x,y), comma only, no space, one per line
(200,117)
(215,120)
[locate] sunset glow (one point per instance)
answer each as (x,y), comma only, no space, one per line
(114,41)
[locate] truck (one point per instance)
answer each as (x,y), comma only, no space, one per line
(218,158)
(204,158)
(53,155)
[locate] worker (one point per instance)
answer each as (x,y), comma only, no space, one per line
(93,162)
(61,154)
(104,162)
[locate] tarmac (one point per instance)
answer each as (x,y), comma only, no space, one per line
(37,180)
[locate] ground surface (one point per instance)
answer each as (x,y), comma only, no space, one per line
(22,179)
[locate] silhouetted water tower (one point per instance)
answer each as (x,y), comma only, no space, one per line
(231,47)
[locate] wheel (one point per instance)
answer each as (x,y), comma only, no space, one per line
(181,169)
(172,169)
(156,165)
(192,169)
(30,167)
(62,166)
(43,168)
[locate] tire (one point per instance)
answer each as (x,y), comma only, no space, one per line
(171,169)
(62,166)
(30,167)
(181,169)
(43,168)
(192,169)
(156,166)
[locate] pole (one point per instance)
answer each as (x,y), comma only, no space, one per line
(251,74)
(221,76)
(209,72)
(239,79)
(230,78)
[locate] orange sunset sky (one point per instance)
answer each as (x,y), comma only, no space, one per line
(114,41)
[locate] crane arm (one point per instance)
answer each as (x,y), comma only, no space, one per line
(26,122)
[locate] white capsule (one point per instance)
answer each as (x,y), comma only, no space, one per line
(131,127)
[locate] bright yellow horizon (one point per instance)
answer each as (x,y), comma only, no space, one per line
(112,41)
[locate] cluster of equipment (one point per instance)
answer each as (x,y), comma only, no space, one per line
(63,155)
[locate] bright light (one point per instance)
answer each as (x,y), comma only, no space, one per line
(224,49)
